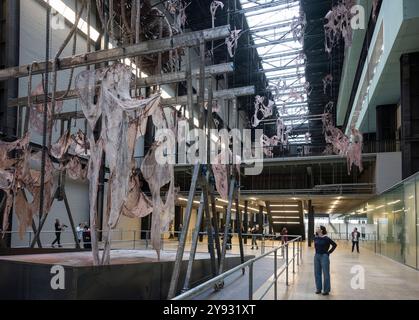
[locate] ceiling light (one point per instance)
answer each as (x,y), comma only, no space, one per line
(283,205)
(394,202)
(284,217)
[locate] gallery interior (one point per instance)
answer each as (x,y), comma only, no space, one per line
(191,149)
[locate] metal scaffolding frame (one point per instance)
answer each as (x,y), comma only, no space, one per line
(202,175)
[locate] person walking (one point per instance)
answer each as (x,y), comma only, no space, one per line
(87,238)
(284,235)
(79,231)
(58,229)
(254,231)
(355,239)
(322,244)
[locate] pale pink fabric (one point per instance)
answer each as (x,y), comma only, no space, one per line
(36,118)
(338,25)
(261,108)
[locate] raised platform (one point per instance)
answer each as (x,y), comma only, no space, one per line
(133,274)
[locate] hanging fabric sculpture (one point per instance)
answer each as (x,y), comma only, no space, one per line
(327,83)
(123,121)
(338,25)
(354,156)
(220,170)
(60,148)
(298,27)
(137,204)
(351,148)
(308,88)
(213,9)
(157,176)
(261,108)
(232,42)
(268,144)
(36,117)
(178,9)
(12,174)
(6,185)
(80,144)
(74,169)
(282,132)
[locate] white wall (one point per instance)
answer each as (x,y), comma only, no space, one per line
(388,170)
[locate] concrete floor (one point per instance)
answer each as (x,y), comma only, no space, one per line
(385,279)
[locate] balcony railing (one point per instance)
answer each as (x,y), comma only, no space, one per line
(309,150)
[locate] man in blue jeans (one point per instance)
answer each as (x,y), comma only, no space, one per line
(322,244)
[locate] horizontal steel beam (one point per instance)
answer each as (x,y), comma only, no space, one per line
(290,66)
(271,26)
(272,42)
(255,10)
(281,55)
(182,100)
(165,78)
(189,39)
(217,95)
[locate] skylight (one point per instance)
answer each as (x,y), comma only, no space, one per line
(271,26)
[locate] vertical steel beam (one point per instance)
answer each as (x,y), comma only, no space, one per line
(276,275)
(268,209)
(216,222)
(70,217)
(209,227)
(187,219)
(239,232)
(310,223)
(45,115)
(227,223)
(246,220)
(195,234)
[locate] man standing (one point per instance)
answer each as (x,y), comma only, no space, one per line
(58,229)
(355,239)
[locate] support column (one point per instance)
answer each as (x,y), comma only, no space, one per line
(245,221)
(270,220)
(410,113)
(260,219)
(178,220)
(310,231)
(9,116)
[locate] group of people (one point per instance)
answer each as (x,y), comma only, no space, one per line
(82,230)
(324,246)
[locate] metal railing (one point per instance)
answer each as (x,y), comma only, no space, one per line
(347,236)
(216,281)
(137,239)
(307,150)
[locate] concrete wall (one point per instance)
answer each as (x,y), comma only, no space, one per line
(388,170)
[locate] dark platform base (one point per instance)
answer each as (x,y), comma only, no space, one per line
(148,280)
